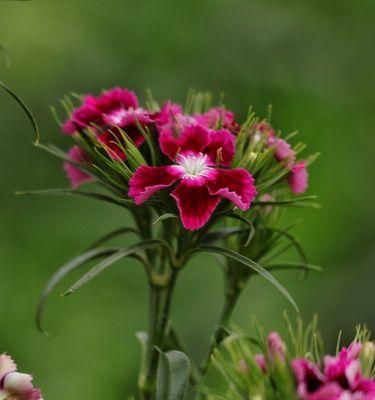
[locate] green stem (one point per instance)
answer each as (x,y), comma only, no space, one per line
(219,334)
(158,331)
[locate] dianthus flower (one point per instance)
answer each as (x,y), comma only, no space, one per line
(75,175)
(298,178)
(13,384)
(115,108)
(198,156)
(341,378)
(218,118)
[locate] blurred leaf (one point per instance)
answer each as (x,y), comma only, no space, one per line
(62,272)
(5,53)
(26,109)
(292,266)
(113,234)
(69,192)
(220,234)
(172,376)
(284,202)
(164,217)
(251,264)
(99,268)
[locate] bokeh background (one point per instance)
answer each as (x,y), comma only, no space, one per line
(313,60)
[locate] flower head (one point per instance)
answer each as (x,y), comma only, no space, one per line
(298,178)
(15,385)
(115,108)
(218,118)
(75,175)
(197,156)
(341,378)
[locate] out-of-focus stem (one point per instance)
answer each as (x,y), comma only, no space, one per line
(219,334)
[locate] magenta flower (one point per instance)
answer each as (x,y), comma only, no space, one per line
(218,118)
(93,110)
(13,384)
(342,378)
(276,347)
(115,108)
(172,119)
(75,175)
(197,155)
(298,178)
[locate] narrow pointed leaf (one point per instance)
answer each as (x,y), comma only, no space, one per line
(251,264)
(113,234)
(62,272)
(25,108)
(107,262)
(68,192)
(164,217)
(292,266)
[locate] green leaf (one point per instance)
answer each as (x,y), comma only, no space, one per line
(107,262)
(113,234)
(292,266)
(248,223)
(220,234)
(25,108)
(62,272)
(251,264)
(173,376)
(164,217)
(68,192)
(8,61)
(285,201)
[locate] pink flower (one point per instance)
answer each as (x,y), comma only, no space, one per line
(342,378)
(312,384)
(171,118)
(75,175)
(298,178)
(218,118)
(276,347)
(93,110)
(197,155)
(283,150)
(261,361)
(14,385)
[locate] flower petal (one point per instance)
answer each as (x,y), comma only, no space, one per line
(194,202)
(20,387)
(116,98)
(193,139)
(236,185)
(148,180)
(221,147)
(6,365)
(218,117)
(75,175)
(298,178)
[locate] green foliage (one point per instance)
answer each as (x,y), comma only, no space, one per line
(172,376)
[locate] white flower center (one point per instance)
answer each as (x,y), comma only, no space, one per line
(194,166)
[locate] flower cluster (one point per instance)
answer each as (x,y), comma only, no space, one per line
(349,375)
(194,179)
(205,155)
(15,385)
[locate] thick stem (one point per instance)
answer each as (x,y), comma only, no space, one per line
(159,317)
(219,334)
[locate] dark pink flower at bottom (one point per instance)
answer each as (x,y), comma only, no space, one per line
(13,384)
(196,153)
(75,175)
(298,178)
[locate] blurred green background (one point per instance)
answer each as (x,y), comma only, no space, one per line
(313,60)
